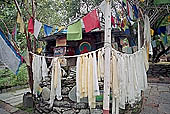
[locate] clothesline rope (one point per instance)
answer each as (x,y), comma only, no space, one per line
(74,56)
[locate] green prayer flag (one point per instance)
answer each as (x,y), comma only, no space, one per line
(158,2)
(74,31)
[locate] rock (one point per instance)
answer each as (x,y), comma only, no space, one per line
(57,110)
(96,111)
(80,105)
(69,112)
(73,97)
(62,104)
(46,93)
(65,90)
(84,111)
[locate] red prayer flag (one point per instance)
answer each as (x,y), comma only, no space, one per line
(91,21)
(31,26)
(112,21)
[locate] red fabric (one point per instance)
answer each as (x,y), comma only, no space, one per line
(112,21)
(31,26)
(91,21)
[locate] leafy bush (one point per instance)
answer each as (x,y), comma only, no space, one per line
(8,79)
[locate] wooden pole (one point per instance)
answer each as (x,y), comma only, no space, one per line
(107,58)
(33,14)
(29,68)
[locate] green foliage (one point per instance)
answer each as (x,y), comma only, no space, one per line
(8,79)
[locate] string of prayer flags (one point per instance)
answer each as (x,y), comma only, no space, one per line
(37,27)
(31,25)
(21,22)
(75,31)
(47,29)
(91,21)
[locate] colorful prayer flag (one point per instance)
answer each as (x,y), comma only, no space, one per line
(8,55)
(21,22)
(37,27)
(112,21)
(91,21)
(74,31)
(31,25)
(47,29)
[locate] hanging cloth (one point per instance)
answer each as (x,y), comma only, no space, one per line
(75,31)
(31,25)
(37,27)
(91,21)
(91,97)
(47,29)
(37,72)
(135,11)
(115,86)
(147,35)
(21,22)
(102,7)
(78,76)
(44,68)
(95,78)
(100,65)
(8,55)
(55,81)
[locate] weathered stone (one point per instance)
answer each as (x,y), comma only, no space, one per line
(96,111)
(80,105)
(65,90)
(57,110)
(84,111)
(62,104)
(45,93)
(69,112)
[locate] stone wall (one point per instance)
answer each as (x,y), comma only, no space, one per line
(69,105)
(159,69)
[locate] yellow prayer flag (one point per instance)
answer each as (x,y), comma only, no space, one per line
(21,22)
(152,32)
(60,28)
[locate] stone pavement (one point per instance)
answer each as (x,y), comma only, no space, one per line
(6,108)
(14,97)
(157,99)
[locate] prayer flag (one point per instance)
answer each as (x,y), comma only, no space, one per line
(47,29)
(31,25)
(91,21)
(8,55)
(74,31)
(37,27)
(21,22)
(102,7)
(135,10)
(158,2)
(112,21)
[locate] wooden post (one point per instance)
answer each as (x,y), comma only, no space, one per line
(33,14)
(107,58)
(29,68)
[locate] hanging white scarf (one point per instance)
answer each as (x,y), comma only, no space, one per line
(55,81)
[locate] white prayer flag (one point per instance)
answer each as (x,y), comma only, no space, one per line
(37,27)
